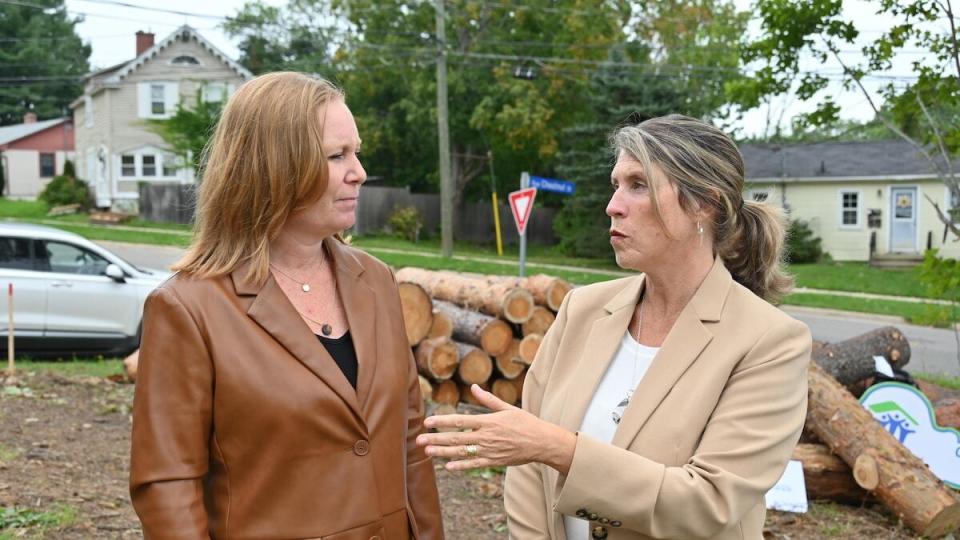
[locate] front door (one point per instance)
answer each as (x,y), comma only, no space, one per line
(903,222)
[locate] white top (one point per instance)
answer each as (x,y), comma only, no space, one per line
(625,371)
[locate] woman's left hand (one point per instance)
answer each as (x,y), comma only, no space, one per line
(508,436)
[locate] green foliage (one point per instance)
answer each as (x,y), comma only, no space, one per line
(3,179)
(65,190)
(189,130)
(69,169)
(802,245)
(406,222)
(21,518)
(42,47)
(941,275)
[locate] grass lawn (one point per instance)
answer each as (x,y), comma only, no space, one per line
(941,380)
(916,313)
(860,277)
(85,367)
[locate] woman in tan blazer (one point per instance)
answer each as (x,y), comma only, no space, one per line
(277,396)
(662,405)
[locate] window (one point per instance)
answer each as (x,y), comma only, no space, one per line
(850,208)
(88,111)
(157,99)
(128,165)
(185,60)
(149,162)
(15,254)
(70,259)
(953,205)
(169,165)
(47,165)
(214,92)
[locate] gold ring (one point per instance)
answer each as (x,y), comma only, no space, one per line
(471,450)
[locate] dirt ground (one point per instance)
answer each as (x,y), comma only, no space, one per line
(64,443)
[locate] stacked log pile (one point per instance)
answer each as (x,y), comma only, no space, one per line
(495,324)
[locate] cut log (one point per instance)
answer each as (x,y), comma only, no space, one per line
(466,395)
(426,389)
(437,358)
(904,483)
(826,476)
(509,363)
(547,290)
(505,390)
(446,392)
(851,361)
(441,409)
(475,365)
(442,325)
(529,346)
(489,296)
(539,322)
(490,334)
(417,311)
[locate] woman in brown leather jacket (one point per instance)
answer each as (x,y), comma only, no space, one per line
(277,396)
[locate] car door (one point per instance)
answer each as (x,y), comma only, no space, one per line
(81,298)
(17,268)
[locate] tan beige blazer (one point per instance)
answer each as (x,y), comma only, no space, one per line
(245,428)
(709,430)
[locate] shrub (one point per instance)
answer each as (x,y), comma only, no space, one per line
(802,245)
(406,222)
(65,190)
(583,227)
(69,169)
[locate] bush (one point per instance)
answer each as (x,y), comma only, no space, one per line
(583,227)
(65,190)
(406,222)
(802,245)
(69,169)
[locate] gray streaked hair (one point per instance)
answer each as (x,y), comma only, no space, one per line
(706,168)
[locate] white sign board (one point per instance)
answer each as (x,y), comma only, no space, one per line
(789,494)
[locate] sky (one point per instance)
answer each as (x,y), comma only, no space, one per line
(110,30)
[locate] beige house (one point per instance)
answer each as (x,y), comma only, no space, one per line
(115,149)
(855,195)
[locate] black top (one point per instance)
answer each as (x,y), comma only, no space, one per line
(343,353)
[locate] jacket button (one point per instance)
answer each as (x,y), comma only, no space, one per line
(582,513)
(616,523)
(361,448)
(604,520)
(593,517)
(599,532)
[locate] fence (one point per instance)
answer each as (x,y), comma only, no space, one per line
(174,203)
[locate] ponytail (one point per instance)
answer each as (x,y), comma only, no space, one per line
(751,247)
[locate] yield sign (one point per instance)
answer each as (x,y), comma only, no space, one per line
(521,204)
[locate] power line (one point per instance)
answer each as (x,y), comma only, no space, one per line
(158,10)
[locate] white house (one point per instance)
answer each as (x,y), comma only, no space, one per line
(32,153)
(115,148)
(855,194)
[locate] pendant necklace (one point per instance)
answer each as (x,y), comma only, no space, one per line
(621,407)
(304,286)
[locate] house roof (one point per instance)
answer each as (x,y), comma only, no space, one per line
(115,75)
(9,134)
(836,160)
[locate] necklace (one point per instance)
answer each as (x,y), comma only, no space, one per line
(621,407)
(325,328)
(304,286)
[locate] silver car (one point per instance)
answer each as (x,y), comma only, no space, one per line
(70,296)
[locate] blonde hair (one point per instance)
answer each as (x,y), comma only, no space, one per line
(707,170)
(264,162)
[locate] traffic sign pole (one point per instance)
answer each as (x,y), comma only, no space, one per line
(524,184)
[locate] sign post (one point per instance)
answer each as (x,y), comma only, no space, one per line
(10,365)
(521,205)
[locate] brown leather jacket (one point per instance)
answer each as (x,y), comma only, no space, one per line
(245,428)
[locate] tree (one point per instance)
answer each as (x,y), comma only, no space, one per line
(189,129)
(42,60)
(925,114)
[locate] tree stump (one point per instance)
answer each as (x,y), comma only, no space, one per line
(904,483)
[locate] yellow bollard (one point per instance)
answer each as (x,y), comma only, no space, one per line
(496,223)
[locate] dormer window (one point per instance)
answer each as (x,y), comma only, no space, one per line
(185,60)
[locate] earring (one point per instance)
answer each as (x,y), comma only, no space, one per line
(700,232)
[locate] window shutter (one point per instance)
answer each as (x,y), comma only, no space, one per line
(143,100)
(172,95)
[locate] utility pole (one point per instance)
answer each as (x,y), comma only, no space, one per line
(446,180)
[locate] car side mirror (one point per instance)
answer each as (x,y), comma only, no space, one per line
(115,273)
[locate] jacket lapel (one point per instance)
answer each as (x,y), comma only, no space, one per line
(686,340)
(598,350)
(272,310)
(360,304)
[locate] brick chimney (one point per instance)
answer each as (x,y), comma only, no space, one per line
(144,41)
(30,118)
